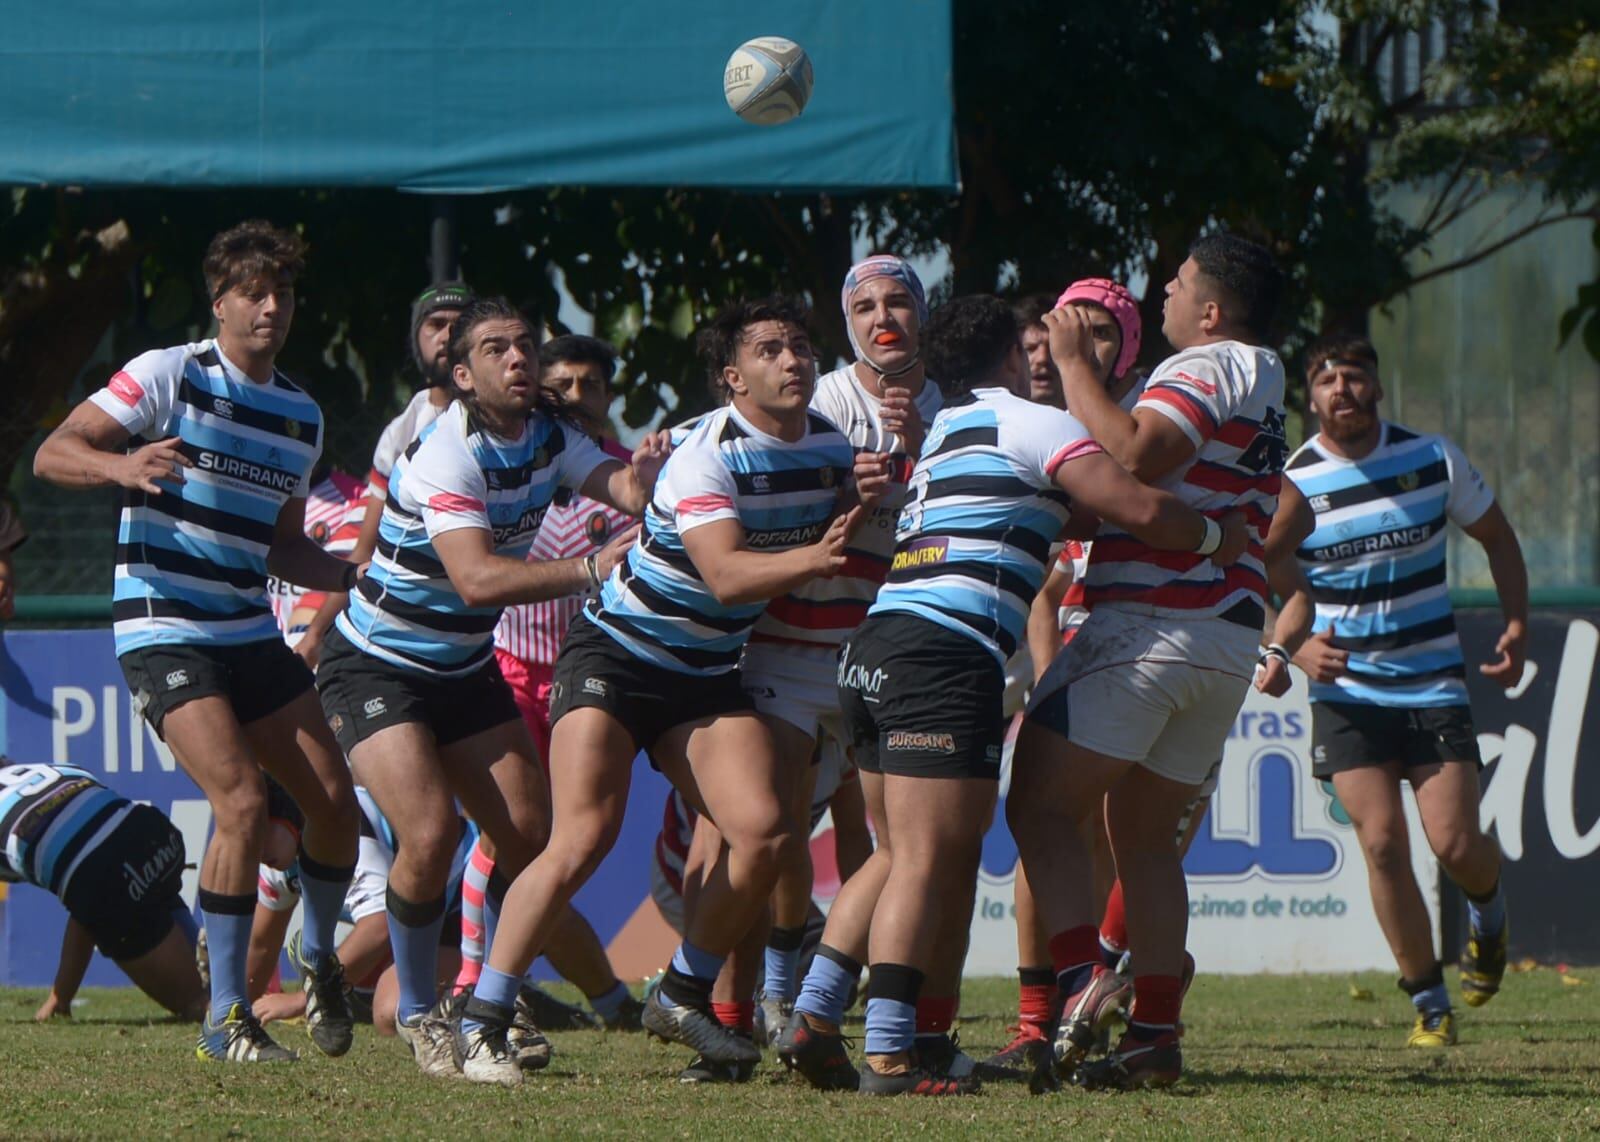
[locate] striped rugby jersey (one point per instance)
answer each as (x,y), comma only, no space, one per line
(51,817)
(575,526)
(656,603)
(823,611)
(1227,398)
(456,475)
(328,526)
(1376,564)
(192,562)
(982,513)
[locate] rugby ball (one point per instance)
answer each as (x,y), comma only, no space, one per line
(767,80)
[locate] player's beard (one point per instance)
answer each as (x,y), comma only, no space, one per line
(1349,429)
(436,373)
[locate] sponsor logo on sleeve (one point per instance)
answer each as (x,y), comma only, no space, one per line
(127,390)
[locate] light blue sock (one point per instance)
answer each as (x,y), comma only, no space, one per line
(827,986)
(609,1004)
(414,939)
(1488,916)
(696,963)
(494,987)
(891,1026)
(1432,999)
(781,964)
(227,923)
(322,890)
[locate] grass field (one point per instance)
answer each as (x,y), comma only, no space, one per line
(1267,1057)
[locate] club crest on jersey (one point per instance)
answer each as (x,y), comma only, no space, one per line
(336,724)
(827,477)
(319,532)
(597,528)
(1409,481)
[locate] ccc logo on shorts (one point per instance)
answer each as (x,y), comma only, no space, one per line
(374,706)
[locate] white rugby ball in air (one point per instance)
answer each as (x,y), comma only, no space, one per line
(767,80)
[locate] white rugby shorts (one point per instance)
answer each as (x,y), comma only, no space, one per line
(796,684)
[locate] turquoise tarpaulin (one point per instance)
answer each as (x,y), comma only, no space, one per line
(456,97)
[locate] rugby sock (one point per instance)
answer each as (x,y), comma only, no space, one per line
(1488,913)
(690,976)
(1114,928)
(322,891)
(414,938)
(936,1013)
(892,1008)
(474,883)
(227,922)
(782,958)
(739,1017)
(1157,1000)
(495,989)
(1036,1004)
(1074,954)
(494,898)
(827,985)
(1428,994)
(608,1004)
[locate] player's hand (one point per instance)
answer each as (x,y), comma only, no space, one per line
(1272,677)
(162,460)
(53,1007)
(649,458)
(1512,651)
(899,414)
(873,477)
(614,552)
(1320,659)
(277,1005)
(829,550)
(309,648)
(1071,337)
(1235,538)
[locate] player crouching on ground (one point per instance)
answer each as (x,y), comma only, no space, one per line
(117,867)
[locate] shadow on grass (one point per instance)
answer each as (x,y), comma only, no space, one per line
(1391,1082)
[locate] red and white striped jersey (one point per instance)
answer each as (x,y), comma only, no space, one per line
(574,526)
(1227,398)
(328,508)
(397,436)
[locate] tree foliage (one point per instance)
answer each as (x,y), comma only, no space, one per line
(1093,139)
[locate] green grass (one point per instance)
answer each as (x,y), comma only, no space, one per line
(1267,1056)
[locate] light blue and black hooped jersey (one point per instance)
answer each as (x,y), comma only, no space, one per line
(782,494)
(457,474)
(981,512)
(1376,564)
(51,818)
(192,561)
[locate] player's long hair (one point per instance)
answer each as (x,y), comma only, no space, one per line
(546,402)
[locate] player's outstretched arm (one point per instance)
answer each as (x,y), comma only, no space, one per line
(628,487)
(85,451)
(1510,573)
(484,579)
(77,946)
(296,558)
(736,575)
(1152,516)
(309,647)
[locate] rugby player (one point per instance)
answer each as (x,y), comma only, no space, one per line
(214,446)
(1388,689)
(408,678)
(433,311)
(747,509)
(528,637)
(921,681)
(882,402)
(117,868)
(1044,380)
(1158,671)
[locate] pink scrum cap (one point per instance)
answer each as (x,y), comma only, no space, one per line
(1115,299)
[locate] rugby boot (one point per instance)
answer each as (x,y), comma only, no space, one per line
(1433,1029)
(1483,965)
(431,1037)
(698,1030)
(1086,1016)
(1135,1065)
(822,1058)
(328,1017)
(914,1076)
(239,1038)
